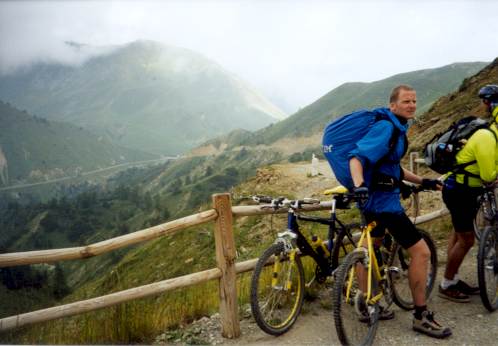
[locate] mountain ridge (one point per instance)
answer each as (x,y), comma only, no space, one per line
(142,95)
(348,97)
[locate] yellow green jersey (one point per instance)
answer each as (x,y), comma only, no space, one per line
(481,147)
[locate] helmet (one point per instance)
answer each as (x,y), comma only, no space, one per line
(489,93)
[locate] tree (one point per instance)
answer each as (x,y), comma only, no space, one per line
(60,287)
(50,222)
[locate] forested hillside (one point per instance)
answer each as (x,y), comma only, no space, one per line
(35,149)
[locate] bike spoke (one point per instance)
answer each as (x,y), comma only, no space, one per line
(277,291)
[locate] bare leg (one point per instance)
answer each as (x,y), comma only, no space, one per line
(462,242)
(417,273)
(451,243)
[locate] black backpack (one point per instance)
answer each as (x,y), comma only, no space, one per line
(440,152)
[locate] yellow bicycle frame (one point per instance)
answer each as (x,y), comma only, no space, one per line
(373,268)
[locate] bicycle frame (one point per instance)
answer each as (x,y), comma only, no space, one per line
(373,269)
(301,241)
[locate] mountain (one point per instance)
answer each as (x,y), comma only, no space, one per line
(453,106)
(430,85)
(142,95)
(37,149)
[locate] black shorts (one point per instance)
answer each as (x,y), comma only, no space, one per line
(463,204)
(399,225)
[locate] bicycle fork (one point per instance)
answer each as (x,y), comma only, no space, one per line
(286,285)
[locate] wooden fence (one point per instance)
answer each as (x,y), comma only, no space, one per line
(227,268)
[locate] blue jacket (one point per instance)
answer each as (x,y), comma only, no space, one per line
(373,147)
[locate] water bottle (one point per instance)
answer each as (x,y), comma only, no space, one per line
(319,246)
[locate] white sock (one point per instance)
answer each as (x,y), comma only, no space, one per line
(447,283)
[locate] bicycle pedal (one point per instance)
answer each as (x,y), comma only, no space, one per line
(395,273)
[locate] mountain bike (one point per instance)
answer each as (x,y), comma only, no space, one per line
(487,256)
(277,285)
(485,215)
(370,279)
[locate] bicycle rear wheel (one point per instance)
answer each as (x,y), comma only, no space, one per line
(487,268)
(355,321)
(397,268)
(277,290)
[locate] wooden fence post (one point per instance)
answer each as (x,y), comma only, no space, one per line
(225,259)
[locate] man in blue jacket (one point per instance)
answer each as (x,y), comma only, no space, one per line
(376,172)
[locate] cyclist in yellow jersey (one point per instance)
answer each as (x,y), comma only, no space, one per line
(460,194)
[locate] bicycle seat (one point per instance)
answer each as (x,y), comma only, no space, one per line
(338,190)
(341,196)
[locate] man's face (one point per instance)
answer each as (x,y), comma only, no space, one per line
(486,105)
(406,105)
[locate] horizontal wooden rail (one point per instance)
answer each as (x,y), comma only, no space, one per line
(93,304)
(430,216)
(47,256)
(108,300)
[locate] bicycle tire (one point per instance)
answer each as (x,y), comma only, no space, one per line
(487,268)
(347,311)
(274,305)
(343,245)
(482,220)
(397,268)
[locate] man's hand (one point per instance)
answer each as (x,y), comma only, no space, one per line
(361,194)
(432,184)
(405,190)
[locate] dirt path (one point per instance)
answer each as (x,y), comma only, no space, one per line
(471,323)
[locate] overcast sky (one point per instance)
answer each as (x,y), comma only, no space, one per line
(292,51)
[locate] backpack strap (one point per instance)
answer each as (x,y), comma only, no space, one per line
(382,181)
(394,139)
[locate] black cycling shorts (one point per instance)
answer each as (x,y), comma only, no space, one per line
(462,202)
(399,225)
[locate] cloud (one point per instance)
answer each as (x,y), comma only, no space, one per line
(291,50)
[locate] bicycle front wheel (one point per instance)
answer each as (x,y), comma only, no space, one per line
(397,268)
(487,268)
(482,219)
(277,290)
(355,321)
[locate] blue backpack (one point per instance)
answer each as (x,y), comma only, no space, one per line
(341,135)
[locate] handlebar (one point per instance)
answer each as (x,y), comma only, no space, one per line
(407,189)
(277,202)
